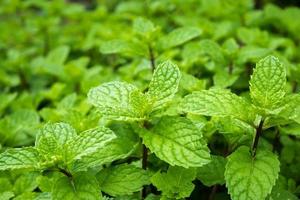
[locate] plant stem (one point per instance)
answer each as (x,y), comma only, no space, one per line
(276,141)
(257,135)
(213,192)
(258,4)
(294,87)
(145,157)
(144,166)
(151,57)
(65,172)
(146,125)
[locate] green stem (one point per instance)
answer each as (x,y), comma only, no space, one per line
(213,192)
(144,192)
(258,4)
(147,125)
(276,141)
(294,87)
(145,157)
(151,57)
(144,166)
(259,130)
(65,172)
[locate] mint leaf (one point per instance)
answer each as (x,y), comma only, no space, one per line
(176,183)
(18,128)
(218,102)
(180,36)
(60,142)
(250,177)
(122,46)
(80,186)
(113,150)
(53,64)
(281,190)
(177,141)
(25,183)
(90,141)
(143,26)
(117,100)
(58,55)
(6,184)
(267,84)
(211,50)
(164,83)
(115,46)
(291,108)
(19,158)
(52,141)
(122,179)
(43,196)
(6,195)
(6,99)
(213,172)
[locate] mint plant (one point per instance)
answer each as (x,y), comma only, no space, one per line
(57,148)
(149,100)
(124,102)
(248,168)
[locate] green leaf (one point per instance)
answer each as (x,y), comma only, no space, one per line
(213,172)
(43,196)
(18,129)
(267,84)
(6,195)
(90,141)
(291,108)
(53,64)
(25,195)
(6,99)
(46,180)
(25,183)
(19,158)
(180,36)
(113,150)
(164,83)
(176,183)
(122,179)
(212,51)
(80,186)
(52,141)
(281,191)
(117,100)
(249,178)
(218,102)
(251,53)
(191,83)
(177,141)
(6,184)
(60,142)
(58,56)
(282,194)
(115,46)
(122,46)
(143,26)
(223,79)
